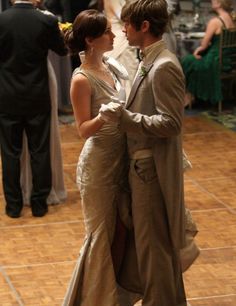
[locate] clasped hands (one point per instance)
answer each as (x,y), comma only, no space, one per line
(111,112)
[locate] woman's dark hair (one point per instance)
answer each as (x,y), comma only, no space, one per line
(88,23)
(153,11)
(227,5)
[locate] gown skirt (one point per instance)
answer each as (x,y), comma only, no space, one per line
(58,192)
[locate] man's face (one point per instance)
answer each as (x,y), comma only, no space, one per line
(133,36)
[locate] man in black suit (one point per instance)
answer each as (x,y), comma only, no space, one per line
(4,4)
(26,35)
(67,9)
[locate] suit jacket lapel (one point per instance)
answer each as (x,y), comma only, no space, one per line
(138,80)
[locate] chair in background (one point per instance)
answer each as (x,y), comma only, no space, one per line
(227,54)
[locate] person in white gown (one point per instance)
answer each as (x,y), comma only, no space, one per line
(122,52)
(169,35)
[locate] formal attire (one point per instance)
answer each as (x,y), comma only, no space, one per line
(100,172)
(191,251)
(4,4)
(169,35)
(58,192)
(26,35)
(122,52)
(203,75)
(67,10)
(63,71)
(153,123)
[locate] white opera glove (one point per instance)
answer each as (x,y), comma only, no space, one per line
(111,112)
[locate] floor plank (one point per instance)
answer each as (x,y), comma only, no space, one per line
(37,255)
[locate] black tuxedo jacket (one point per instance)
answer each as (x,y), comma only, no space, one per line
(26,35)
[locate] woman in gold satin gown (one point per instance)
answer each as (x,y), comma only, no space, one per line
(100,168)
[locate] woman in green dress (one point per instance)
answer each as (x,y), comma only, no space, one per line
(201,68)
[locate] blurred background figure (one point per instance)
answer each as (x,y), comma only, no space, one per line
(169,36)
(126,55)
(201,68)
(25,103)
(58,192)
(60,8)
(61,64)
(4,4)
(67,10)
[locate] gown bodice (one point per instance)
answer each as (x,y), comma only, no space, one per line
(105,149)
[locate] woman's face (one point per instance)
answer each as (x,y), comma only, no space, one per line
(215,4)
(104,42)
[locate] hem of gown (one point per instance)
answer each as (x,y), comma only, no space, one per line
(72,292)
(54,198)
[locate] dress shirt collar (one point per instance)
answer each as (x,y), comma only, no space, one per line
(149,53)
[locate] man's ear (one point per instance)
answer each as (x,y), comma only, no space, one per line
(145,26)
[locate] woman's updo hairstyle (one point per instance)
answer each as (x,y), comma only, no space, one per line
(87,24)
(227,5)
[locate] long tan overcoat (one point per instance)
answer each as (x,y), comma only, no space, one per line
(158,99)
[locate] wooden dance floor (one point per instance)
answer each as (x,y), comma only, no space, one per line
(37,255)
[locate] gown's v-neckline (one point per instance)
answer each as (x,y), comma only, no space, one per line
(98,79)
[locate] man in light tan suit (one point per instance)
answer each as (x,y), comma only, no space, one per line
(153,123)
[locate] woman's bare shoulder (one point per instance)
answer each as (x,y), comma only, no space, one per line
(214,21)
(80,84)
(79,77)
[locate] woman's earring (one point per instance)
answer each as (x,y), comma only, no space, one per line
(91,51)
